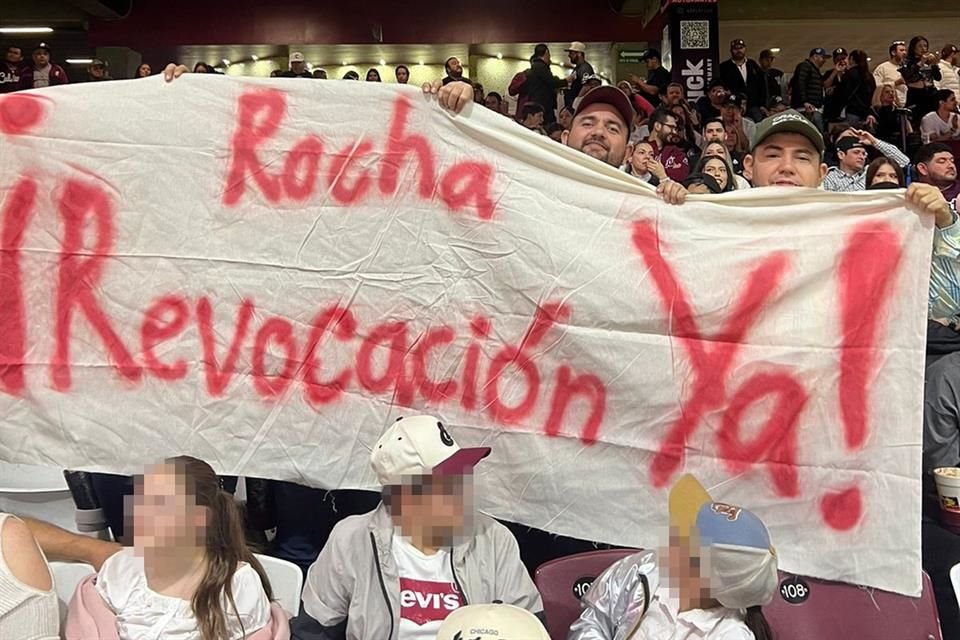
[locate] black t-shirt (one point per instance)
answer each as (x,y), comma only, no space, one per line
(289,73)
(583,69)
(659,78)
(9,77)
(450,79)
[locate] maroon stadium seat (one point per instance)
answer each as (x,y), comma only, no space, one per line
(563,581)
(808,608)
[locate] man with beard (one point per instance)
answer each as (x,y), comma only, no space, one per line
(665,139)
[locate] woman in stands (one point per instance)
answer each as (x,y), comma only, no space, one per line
(920,71)
(719,169)
(373,75)
(189,575)
(887,117)
(718,150)
(28,602)
(884,174)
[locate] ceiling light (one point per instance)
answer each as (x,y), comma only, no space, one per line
(79,60)
(775,50)
(499,56)
(26,30)
(383,62)
(254,58)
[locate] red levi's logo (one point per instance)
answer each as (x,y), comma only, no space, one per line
(423,601)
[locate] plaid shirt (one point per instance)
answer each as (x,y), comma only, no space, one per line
(837,180)
(944,297)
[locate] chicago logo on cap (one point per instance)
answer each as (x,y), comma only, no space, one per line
(721,508)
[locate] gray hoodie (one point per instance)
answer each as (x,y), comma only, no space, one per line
(353,589)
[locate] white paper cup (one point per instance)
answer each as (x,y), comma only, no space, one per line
(948,488)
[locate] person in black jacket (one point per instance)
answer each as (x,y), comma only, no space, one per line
(856,88)
(741,74)
(541,86)
(807,84)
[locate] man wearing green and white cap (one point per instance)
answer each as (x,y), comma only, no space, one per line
(397,572)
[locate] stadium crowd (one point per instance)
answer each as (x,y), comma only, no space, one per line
(399,563)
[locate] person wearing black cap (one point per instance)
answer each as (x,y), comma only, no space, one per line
(732,115)
(709,106)
(743,75)
(807,87)
(772,79)
(850,173)
(831,80)
(658,78)
(97,71)
(42,73)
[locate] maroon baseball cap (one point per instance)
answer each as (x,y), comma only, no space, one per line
(611,96)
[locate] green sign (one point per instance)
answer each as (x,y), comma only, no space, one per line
(632,56)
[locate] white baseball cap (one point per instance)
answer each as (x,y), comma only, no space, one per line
(577,46)
(492,622)
(420,446)
(296,56)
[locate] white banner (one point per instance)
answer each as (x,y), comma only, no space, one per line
(266,273)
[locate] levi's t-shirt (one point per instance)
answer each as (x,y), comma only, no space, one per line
(428,593)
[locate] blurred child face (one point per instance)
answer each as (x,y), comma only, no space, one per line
(437,508)
(686,569)
(165,516)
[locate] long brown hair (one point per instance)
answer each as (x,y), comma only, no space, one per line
(225,548)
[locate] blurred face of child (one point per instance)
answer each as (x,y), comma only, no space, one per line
(165,515)
(687,572)
(436,508)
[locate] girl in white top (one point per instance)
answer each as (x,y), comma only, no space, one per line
(28,602)
(190,574)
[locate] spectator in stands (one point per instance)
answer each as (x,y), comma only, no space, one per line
(454,71)
(373,75)
(831,80)
(399,570)
(743,76)
(950,69)
(732,115)
(581,68)
(710,105)
(541,85)
(298,67)
(144,70)
(736,142)
(676,97)
(852,146)
(884,174)
(664,137)
(42,72)
(189,547)
(891,124)
(854,93)
(920,71)
(402,74)
(807,87)
(889,72)
(554,131)
(319,74)
(478,93)
(657,79)
(717,168)
(686,137)
(97,71)
(494,102)
(644,166)
(565,118)
(776,105)
(944,123)
(203,67)
(10,69)
(719,150)
(936,166)
(672,594)
(589,83)
(28,601)
(713,131)
(351,75)
(532,117)
(772,79)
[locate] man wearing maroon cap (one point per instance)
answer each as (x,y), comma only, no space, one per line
(400,570)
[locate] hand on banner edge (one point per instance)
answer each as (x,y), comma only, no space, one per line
(672,192)
(172,71)
(453,97)
(926,198)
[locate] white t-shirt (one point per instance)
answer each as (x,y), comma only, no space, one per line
(41,77)
(932,125)
(428,592)
(143,614)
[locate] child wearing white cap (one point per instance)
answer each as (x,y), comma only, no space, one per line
(720,568)
(397,572)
